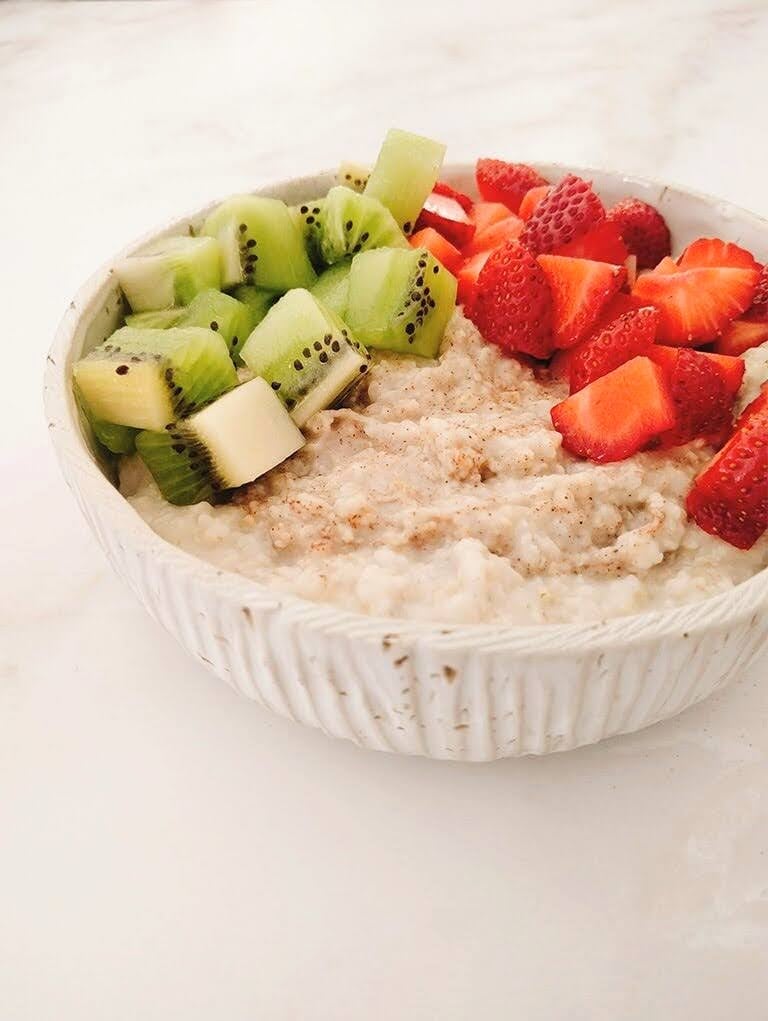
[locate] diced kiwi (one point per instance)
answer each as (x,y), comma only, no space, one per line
(405,173)
(257,299)
(306,354)
(230,442)
(161,319)
(118,439)
(351,223)
(332,287)
(307,217)
(211,310)
(169,272)
(400,300)
(147,378)
(353,175)
(261,244)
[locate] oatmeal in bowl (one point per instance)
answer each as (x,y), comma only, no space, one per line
(469,463)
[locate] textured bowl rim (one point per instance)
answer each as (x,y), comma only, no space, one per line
(749,599)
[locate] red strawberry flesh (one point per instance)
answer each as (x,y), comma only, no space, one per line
(630,335)
(643,230)
(581,288)
(566,212)
(498,181)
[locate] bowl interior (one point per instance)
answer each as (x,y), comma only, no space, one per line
(98,307)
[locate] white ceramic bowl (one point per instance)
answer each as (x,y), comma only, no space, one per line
(473,693)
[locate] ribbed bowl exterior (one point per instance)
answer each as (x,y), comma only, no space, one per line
(467,693)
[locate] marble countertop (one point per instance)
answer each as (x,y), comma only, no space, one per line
(170,851)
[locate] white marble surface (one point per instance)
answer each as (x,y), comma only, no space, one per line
(169,851)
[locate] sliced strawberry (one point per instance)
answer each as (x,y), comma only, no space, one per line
(732,369)
(442,249)
(467,277)
(667,265)
(713,252)
(603,244)
(531,199)
(560,364)
(630,335)
(485,214)
(441,188)
(703,400)
(491,237)
(643,229)
(758,310)
(620,303)
(696,304)
(512,306)
(446,216)
(631,264)
(498,181)
(565,213)
(740,336)
(618,414)
(730,498)
(581,288)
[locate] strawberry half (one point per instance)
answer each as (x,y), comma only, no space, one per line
(498,181)
(441,188)
(531,199)
(447,217)
(581,288)
(442,249)
(732,369)
(696,304)
(741,336)
(702,397)
(618,414)
(630,335)
(491,237)
(512,306)
(565,213)
(620,303)
(643,230)
(758,311)
(706,252)
(468,276)
(730,498)
(603,244)
(485,214)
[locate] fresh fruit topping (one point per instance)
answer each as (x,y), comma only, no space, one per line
(643,230)
(512,306)
(565,213)
(758,311)
(740,336)
(631,263)
(353,175)
(603,243)
(441,188)
(730,498)
(560,364)
(349,223)
(618,414)
(732,369)
(713,252)
(170,272)
(620,303)
(531,199)
(581,288)
(702,397)
(485,214)
(498,181)
(630,335)
(442,249)
(695,304)
(491,237)
(400,300)
(667,265)
(467,277)
(404,174)
(448,217)
(305,353)
(332,287)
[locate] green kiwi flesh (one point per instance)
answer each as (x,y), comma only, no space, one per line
(404,174)
(169,272)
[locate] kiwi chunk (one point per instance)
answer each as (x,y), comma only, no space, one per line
(232,441)
(306,354)
(400,300)
(118,439)
(405,173)
(169,272)
(257,299)
(351,223)
(261,244)
(211,310)
(147,378)
(307,218)
(332,287)
(353,175)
